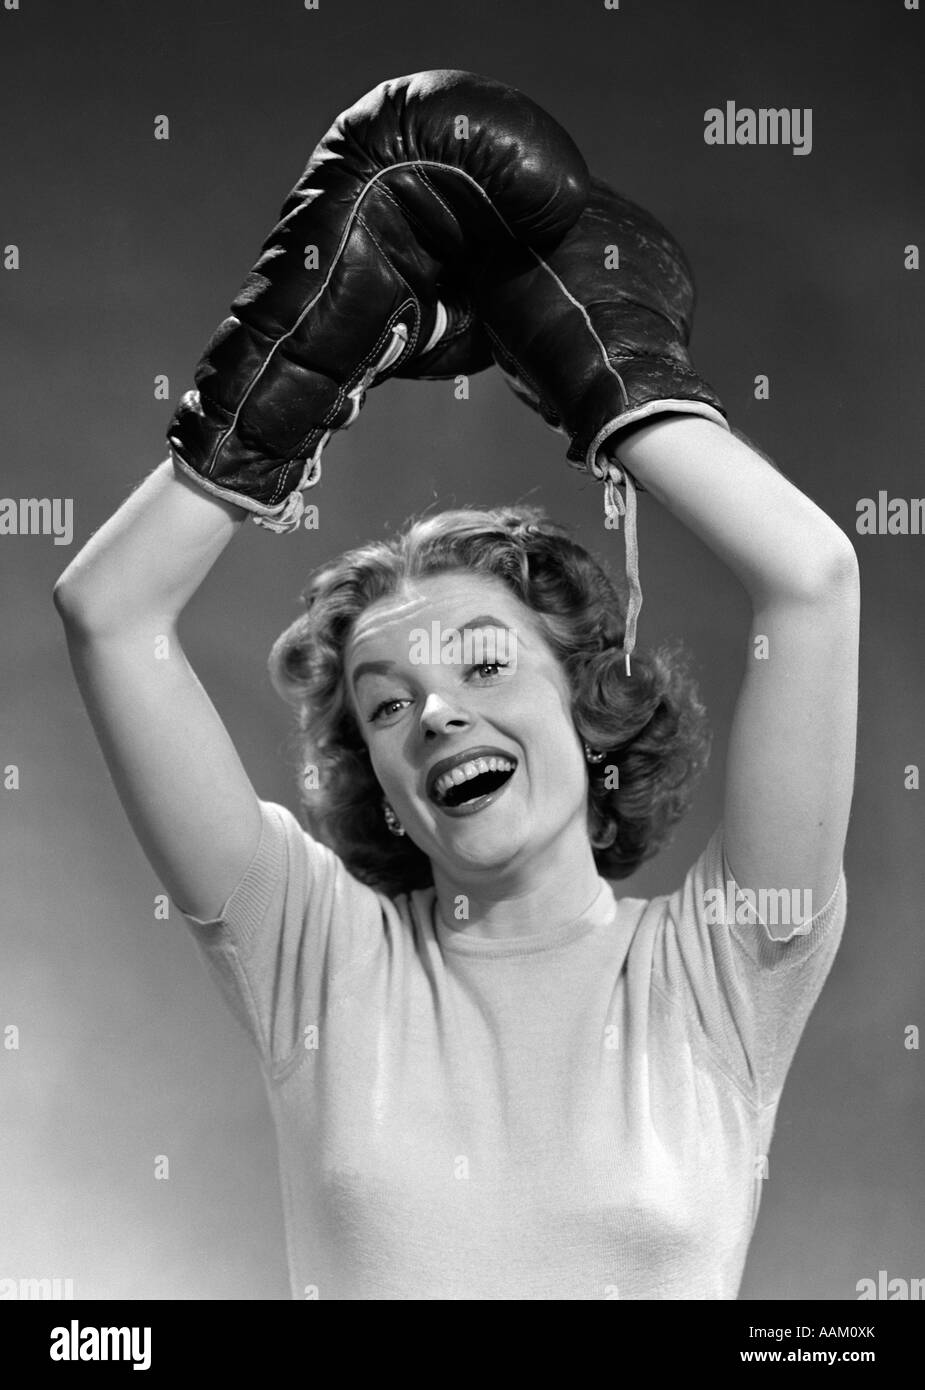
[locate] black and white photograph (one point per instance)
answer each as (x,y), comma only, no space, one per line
(463,565)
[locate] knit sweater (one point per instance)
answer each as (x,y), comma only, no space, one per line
(581,1113)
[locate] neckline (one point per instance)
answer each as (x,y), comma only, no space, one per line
(601,910)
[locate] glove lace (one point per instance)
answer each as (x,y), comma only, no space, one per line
(613,478)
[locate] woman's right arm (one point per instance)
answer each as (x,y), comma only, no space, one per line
(178,776)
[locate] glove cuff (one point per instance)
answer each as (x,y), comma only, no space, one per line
(284,516)
(257,483)
(588,457)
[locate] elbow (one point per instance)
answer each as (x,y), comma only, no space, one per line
(62,599)
(822,570)
(78,591)
(70,606)
(835,571)
(824,567)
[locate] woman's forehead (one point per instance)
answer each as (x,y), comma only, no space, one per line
(445,597)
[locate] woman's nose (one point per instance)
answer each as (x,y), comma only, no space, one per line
(439,715)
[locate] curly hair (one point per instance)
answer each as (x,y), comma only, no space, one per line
(652,724)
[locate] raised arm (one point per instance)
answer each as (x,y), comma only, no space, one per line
(791,756)
(595,336)
(184,789)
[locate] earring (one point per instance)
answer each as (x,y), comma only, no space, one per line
(593,755)
(391,820)
(606,837)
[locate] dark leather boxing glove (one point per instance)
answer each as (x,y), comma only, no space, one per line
(594,335)
(365,274)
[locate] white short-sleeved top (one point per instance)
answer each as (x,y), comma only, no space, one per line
(584,1113)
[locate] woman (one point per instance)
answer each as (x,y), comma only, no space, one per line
(490,1078)
(504,1083)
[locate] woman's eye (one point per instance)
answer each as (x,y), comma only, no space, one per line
(384,708)
(491,666)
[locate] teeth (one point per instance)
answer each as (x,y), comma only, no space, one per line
(464,772)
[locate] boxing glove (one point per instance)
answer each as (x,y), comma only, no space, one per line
(594,336)
(365,277)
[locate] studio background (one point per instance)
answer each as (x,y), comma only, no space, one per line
(131,250)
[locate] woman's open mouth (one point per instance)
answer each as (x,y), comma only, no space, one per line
(462,785)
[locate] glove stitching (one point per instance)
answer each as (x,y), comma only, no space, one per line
(388,260)
(358,371)
(588,324)
(466,316)
(418,166)
(342,392)
(357,374)
(335,261)
(447,209)
(402,210)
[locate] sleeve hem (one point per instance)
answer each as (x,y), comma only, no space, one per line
(755,938)
(245,908)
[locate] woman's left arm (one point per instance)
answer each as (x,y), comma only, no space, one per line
(791,756)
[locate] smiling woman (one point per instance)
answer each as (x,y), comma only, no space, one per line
(376,719)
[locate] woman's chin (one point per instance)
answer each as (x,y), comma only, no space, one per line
(467,843)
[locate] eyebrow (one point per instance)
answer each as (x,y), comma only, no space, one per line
(382,668)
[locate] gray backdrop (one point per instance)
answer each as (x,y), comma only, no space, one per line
(130,252)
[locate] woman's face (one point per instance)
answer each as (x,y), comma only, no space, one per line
(467,718)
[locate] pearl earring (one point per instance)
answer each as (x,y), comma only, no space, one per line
(391,820)
(594,755)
